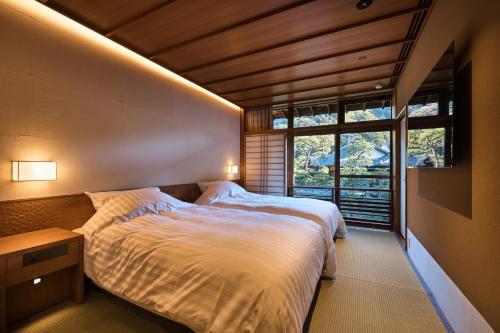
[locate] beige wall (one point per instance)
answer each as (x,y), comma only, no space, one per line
(455,212)
(109,120)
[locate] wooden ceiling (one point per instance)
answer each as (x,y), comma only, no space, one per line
(261,52)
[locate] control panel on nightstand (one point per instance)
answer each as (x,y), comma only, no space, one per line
(38,270)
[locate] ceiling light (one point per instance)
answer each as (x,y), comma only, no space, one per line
(379,86)
(362,58)
(363,4)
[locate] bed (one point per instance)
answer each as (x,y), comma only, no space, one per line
(228,194)
(212,269)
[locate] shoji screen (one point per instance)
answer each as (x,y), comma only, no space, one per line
(265,164)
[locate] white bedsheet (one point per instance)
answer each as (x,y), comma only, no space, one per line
(324,213)
(212,269)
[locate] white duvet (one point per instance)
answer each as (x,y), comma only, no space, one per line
(230,195)
(211,269)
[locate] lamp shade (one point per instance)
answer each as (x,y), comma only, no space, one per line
(232,169)
(33,170)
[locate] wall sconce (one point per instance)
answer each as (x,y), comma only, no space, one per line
(33,170)
(232,169)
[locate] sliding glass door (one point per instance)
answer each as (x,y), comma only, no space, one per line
(365,177)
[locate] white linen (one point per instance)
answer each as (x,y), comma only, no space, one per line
(211,269)
(203,186)
(230,195)
(100,198)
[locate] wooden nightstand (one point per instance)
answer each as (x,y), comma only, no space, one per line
(38,270)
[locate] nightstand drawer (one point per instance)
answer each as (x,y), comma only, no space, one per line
(28,266)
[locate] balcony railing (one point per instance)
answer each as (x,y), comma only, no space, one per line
(359,206)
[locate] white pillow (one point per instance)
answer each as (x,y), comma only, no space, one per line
(100,198)
(129,205)
(220,191)
(204,185)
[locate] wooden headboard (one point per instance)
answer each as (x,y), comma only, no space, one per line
(67,211)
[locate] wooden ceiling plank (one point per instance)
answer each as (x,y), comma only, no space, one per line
(344,71)
(136,17)
(320,87)
(229,27)
(391,29)
(311,36)
(339,96)
(330,56)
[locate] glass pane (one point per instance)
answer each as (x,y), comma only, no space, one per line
(314,160)
(424,106)
(314,193)
(369,111)
(371,183)
(280,118)
(426,147)
(315,115)
(365,153)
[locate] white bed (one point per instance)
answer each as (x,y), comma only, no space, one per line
(227,194)
(211,269)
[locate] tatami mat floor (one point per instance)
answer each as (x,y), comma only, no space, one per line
(376,290)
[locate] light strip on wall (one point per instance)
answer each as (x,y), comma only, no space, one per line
(35,9)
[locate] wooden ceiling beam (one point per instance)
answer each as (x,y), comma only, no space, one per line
(297,63)
(320,87)
(229,27)
(340,96)
(304,38)
(110,32)
(344,71)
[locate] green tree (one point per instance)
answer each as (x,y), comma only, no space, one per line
(426,143)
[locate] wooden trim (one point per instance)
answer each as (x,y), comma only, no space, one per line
(242,148)
(311,60)
(3,287)
(429,122)
(229,27)
(318,88)
(348,70)
(110,32)
(314,35)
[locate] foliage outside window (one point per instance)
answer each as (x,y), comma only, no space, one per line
(426,147)
(377,110)
(315,115)
(280,118)
(366,153)
(314,160)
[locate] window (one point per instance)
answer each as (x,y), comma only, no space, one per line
(426,147)
(424,106)
(280,118)
(366,153)
(315,115)
(368,111)
(349,165)
(314,163)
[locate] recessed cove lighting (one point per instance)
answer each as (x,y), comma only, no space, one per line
(39,12)
(363,4)
(362,58)
(379,86)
